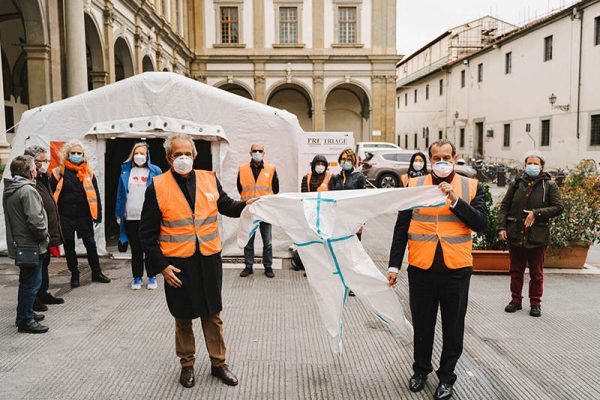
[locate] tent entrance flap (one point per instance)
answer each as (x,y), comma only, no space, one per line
(117,151)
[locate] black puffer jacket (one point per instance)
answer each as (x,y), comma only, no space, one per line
(539,194)
(347,180)
(42,185)
(315,179)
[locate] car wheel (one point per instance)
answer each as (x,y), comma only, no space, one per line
(387,181)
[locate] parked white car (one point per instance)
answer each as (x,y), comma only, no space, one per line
(362,147)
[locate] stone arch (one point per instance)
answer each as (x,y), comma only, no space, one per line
(20,80)
(348,109)
(123,59)
(33,21)
(294,97)
(147,64)
(94,49)
(236,87)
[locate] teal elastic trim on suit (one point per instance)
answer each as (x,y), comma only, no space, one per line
(256,223)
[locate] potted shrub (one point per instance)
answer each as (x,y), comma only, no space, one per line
(578,227)
(490,254)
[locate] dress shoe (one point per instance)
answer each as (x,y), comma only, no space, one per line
(36,317)
(39,305)
(32,327)
(224,374)
(512,307)
(48,298)
(444,391)
(245,272)
(417,382)
(269,273)
(75,280)
(187,378)
(100,277)
(535,311)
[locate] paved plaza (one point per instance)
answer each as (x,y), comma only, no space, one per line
(109,342)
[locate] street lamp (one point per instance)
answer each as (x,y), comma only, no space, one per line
(552,101)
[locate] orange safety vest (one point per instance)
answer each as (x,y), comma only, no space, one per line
(324,186)
(429,226)
(180,228)
(88,187)
(262,187)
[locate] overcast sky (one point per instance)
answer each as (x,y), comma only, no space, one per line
(420,21)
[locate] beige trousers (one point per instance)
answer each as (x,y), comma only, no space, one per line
(185,343)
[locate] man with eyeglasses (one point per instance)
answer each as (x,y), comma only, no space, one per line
(179,231)
(256,179)
(42,185)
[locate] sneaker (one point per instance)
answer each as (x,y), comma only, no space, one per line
(512,307)
(246,271)
(136,284)
(535,311)
(152,284)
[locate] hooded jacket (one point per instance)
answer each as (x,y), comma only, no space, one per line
(539,194)
(123,189)
(315,179)
(24,214)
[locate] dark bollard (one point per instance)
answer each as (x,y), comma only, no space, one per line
(501,177)
(560,179)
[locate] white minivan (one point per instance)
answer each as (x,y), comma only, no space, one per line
(362,147)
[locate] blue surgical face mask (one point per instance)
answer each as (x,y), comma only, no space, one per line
(257,156)
(533,170)
(347,166)
(76,158)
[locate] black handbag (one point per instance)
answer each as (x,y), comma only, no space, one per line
(27,256)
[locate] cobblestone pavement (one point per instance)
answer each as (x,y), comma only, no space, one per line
(109,342)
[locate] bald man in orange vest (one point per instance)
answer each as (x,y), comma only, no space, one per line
(256,179)
(439,264)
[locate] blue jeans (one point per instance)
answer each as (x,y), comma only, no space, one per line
(265,233)
(30,280)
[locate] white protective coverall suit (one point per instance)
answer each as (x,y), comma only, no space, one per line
(323,225)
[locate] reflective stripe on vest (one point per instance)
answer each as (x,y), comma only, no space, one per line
(182,230)
(261,187)
(429,226)
(88,187)
(324,186)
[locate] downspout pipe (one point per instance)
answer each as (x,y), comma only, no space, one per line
(579,16)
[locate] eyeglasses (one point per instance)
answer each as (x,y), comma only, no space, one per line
(257,151)
(76,153)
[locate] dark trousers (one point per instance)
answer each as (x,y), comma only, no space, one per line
(520,257)
(448,290)
(45,278)
(69,227)
(265,233)
(137,254)
(30,279)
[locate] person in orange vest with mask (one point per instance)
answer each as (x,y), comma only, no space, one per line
(179,231)
(76,193)
(256,179)
(317,180)
(439,264)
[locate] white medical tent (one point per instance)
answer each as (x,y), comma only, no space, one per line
(154,104)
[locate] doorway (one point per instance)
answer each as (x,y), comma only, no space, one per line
(479,148)
(117,151)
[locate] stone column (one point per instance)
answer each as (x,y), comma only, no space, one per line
(38,74)
(138,66)
(259,80)
(197,33)
(109,41)
(318,24)
(258,24)
(4,146)
(75,48)
(319,102)
(390,109)
(378,114)
(99,79)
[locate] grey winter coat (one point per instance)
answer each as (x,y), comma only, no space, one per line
(539,194)
(25,218)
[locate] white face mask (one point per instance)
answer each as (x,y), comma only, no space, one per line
(183,165)
(257,156)
(442,169)
(139,159)
(417,165)
(44,167)
(319,169)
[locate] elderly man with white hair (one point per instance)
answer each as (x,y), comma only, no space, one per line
(525,212)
